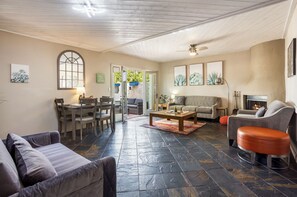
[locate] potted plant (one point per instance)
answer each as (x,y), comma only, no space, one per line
(163,98)
(117,78)
(134,77)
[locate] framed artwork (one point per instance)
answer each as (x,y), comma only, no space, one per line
(180,75)
(19,73)
(214,71)
(196,75)
(292,58)
(100,78)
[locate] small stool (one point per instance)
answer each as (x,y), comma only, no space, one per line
(273,143)
(224,120)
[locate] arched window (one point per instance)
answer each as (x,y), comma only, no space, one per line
(71,70)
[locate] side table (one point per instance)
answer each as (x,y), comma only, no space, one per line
(224,109)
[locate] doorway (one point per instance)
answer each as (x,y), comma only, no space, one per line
(151,93)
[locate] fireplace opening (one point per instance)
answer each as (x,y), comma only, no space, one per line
(254,102)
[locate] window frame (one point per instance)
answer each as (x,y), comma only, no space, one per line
(58,70)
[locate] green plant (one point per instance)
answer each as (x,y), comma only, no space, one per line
(117,77)
(212,77)
(180,80)
(196,79)
(164,98)
(134,76)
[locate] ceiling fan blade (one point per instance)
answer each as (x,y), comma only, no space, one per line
(202,48)
(182,51)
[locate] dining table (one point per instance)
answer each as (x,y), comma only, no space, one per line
(75,107)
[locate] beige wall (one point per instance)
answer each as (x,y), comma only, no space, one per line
(291,83)
(258,71)
(29,108)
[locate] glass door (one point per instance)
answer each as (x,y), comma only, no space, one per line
(124,95)
(151,94)
(119,91)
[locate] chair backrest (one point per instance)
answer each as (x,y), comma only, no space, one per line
(59,102)
(88,106)
(106,104)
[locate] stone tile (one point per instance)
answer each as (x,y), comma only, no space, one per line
(128,194)
(199,178)
(127,183)
(189,165)
(148,168)
(209,164)
(183,157)
(169,167)
(174,180)
(151,182)
(286,187)
(154,193)
(131,159)
(127,169)
(206,191)
(145,155)
(262,188)
(183,192)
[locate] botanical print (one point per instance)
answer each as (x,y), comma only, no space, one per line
(196,74)
(180,78)
(19,73)
(214,71)
(292,58)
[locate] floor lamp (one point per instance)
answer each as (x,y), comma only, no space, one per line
(220,81)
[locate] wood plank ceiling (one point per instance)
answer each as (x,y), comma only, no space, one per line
(150,29)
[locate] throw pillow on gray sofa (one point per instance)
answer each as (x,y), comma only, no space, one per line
(260,113)
(9,182)
(179,100)
(32,165)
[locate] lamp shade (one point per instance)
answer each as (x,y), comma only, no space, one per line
(80,90)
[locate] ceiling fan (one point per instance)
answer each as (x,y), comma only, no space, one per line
(193,49)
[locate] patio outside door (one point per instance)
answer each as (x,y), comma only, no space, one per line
(151,93)
(119,91)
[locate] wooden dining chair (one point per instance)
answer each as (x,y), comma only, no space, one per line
(104,112)
(62,115)
(87,114)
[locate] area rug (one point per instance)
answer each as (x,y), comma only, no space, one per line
(172,126)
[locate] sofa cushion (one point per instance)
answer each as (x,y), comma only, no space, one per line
(131,100)
(62,158)
(179,100)
(205,101)
(189,108)
(10,182)
(273,107)
(260,112)
(32,165)
(204,110)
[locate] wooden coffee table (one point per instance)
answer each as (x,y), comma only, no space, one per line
(180,117)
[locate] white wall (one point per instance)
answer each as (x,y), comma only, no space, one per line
(291,83)
(29,108)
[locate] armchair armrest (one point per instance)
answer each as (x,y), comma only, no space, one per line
(43,139)
(246,111)
(86,180)
(214,110)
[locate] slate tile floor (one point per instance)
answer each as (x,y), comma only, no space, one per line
(156,163)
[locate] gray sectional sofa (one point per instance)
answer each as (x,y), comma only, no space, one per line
(39,165)
(205,106)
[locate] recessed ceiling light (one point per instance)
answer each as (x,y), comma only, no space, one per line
(88,8)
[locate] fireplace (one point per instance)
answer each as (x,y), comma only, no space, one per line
(254,102)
